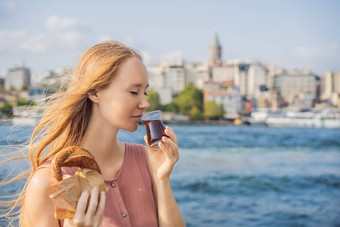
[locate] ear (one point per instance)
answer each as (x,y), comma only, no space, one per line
(93,96)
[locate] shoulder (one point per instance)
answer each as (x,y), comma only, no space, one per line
(135,147)
(37,199)
(138,151)
(39,182)
(41,177)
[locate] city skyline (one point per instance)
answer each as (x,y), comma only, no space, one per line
(46,35)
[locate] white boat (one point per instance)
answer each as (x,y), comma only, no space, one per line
(327,118)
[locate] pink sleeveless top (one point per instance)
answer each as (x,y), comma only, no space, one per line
(130,200)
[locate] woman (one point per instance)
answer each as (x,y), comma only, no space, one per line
(107,93)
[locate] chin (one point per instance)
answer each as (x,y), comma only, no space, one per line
(131,128)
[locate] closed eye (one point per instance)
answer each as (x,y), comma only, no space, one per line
(134,92)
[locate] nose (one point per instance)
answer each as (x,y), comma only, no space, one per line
(144,103)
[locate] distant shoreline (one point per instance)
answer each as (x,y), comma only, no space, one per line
(217,122)
(210,122)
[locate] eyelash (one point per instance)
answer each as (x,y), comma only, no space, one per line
(136,93)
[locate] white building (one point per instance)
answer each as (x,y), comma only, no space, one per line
(248,75)
(170,77)
(298,88)
(225,73)
(230,97)
(175,78)
(257,77)
(156,76)
(272,72)
(331,87)
(197,73)
(18,78)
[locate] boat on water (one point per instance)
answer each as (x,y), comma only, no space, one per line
(325,118)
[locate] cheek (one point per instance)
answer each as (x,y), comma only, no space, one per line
(115,110)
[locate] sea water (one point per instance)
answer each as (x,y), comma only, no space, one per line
(245,176)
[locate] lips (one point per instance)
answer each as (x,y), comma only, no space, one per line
(138,117)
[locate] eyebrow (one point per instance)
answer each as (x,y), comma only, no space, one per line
(139,85)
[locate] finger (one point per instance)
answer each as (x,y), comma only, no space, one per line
(146,141)
(101,208)
(93,202)
(147,144)
(166,151)
(82,204)
(101,205)
(170,132)
(173,146)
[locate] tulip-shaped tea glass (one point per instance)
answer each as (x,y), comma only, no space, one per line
(154,127)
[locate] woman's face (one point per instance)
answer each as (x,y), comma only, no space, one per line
(123,102)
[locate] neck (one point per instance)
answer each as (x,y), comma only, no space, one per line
(101,141)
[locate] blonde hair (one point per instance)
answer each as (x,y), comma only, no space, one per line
(66,116)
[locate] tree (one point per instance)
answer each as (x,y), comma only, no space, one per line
(24,87)
(154,100)
(172,107)
(189,98)
(7,109)
(25,102)
(212,110)
(196,114)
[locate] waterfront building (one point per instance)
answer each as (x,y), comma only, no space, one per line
(331,88)
(171,76)
(270,99)
(197,73)
(156,76)
(175,78)
(257,79)
(225,72)
(248,75)
(273,70)
(226,94)
(299,89)
(168,79)
(18,78)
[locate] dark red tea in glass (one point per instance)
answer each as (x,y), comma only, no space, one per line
(154,127)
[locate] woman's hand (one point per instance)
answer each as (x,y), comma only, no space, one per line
(162,161)
(90,212)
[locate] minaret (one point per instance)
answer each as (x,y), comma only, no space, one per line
(215,52)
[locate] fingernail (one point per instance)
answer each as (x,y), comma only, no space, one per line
(95,189)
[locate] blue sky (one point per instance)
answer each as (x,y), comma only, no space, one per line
(43,34)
